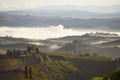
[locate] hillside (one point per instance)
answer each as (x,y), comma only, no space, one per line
(112,43)
(68,22)
(90,37)
(53,66)
(83,47)
(104,44)
(71,11)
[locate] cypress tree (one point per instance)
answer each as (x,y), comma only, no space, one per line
(26,72)
(30,72)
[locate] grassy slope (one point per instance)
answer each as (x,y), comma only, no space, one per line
(60,66)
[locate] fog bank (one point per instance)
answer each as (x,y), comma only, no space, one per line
(43,33)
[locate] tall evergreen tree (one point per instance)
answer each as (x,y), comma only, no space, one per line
(30,72)
(26,71)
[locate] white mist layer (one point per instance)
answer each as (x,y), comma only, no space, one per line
(41,32)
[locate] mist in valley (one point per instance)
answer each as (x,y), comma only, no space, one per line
(48,32)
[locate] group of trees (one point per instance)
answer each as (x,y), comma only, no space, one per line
(33,49)
(28,72)
(14,52)
(30,49)
(32,73)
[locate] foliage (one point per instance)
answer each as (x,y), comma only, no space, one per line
(97,78)
(114,76)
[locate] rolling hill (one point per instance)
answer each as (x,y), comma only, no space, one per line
(56,66)
(69,22)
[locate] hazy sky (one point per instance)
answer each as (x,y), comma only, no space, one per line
(23,4)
